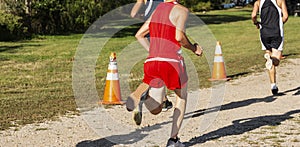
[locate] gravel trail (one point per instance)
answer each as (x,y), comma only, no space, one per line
(249,116)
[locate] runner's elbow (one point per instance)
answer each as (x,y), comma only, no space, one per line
(285,19)
(179,37)
(138,36)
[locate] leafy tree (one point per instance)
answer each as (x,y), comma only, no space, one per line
(71,16)
(63,16)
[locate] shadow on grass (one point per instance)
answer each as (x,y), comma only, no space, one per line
(128,31)
(10,48)
(132,25)
(238,127)
(207,19)
(219,19)
(14,48)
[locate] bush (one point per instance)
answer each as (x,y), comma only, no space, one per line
(10,27)
(201,6)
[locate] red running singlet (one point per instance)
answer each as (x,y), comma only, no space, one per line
(164,65)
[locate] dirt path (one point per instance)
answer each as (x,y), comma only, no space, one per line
(249,116)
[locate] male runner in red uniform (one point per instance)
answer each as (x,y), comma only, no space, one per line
(165,66)
(132,99)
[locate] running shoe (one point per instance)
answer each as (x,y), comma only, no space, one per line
(274,90)
(269,62)
(167,105)
(172,143)
(138,112)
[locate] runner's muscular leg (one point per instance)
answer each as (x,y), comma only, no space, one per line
(179,110)
(272,71)
(275,55)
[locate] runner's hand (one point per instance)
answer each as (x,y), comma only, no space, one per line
(257,24)
(199,50)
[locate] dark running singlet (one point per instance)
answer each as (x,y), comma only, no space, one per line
(271,31)
(151,6)
(270,15)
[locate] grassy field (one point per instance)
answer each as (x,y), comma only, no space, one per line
(36,75)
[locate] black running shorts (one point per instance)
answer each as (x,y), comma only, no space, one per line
(270,43)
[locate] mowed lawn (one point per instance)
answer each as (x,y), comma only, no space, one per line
(36,75)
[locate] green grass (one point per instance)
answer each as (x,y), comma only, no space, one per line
(36,79)
(36,75)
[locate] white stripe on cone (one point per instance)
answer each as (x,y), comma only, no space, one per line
(112,76)
(218,59)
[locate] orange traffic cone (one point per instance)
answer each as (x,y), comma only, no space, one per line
(112,92)
(219,72)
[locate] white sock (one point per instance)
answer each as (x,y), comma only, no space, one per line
(273,86)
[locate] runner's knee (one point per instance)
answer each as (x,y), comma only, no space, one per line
(276,61)
(182,93)
(153,106)
(157,110)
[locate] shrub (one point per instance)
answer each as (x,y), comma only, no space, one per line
(201,6)
(10,27)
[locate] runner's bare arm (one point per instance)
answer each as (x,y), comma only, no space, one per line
(137,6)
(285,14)
(142,32)
(178,17)
(254,14)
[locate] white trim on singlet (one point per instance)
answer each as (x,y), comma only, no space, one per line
(280,17)
(161,59)
(165,60)
(260,5)
(149,7)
